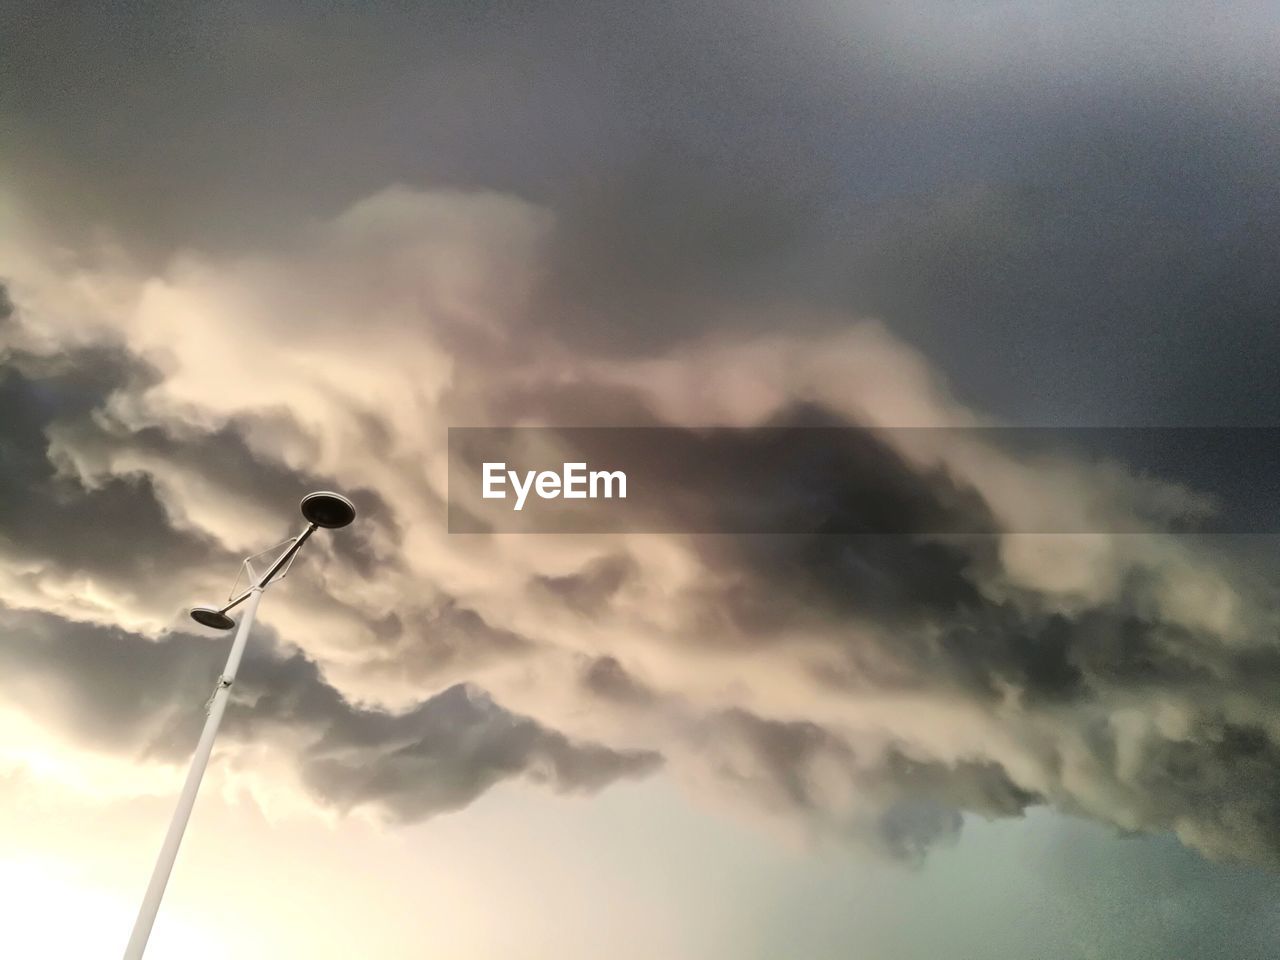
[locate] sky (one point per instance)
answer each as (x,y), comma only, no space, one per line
(250,250)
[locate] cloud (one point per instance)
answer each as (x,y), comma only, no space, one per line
(451,749)
(116,691)
(871,689)
(57,532)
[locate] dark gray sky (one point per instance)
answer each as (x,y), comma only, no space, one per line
(1072,208)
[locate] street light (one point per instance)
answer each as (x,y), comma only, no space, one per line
(321,509)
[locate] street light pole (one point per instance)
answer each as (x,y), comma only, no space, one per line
(322,509)
(187,799)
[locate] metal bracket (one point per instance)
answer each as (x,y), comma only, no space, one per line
(248,572)
(288,564)
(224,683)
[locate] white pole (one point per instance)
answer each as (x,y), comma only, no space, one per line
(169,851)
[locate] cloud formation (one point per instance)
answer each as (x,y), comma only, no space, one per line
(871,689)
(115,691)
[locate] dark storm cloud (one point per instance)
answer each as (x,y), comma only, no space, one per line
(806,469)
(51,516)
(108,688)
(606,678)
(896,615)
(936,633)
(443,639)
(79,523)
(916,803)
(224,458)
(117,691)
(1215,784)
(588,591)
(1216,781)
(449,750)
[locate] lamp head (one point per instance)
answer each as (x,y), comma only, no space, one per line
(209,617)
(327,509)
